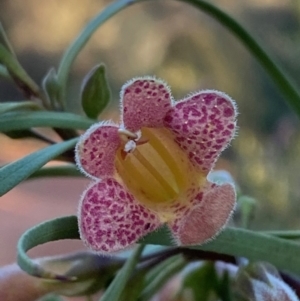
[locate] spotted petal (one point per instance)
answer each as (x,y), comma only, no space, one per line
(210,214)
(203,124)
(96,150)
(145,102)
(110,219)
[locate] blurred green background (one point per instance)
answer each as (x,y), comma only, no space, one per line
(191,51)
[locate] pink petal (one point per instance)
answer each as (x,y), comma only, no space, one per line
(203,125)
(145,103)
(212,211)
(110,218)
(96,150)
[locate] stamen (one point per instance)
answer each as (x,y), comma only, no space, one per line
(125,135)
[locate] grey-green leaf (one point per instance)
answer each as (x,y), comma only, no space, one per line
(4,40)
(239,242)
(202,281)
(116,288)
(18,106)
(232,241)
(69,170)
(51,88)
(56,229)
(15,172)
(20,76)
(95,92)
(26,120)
(162,277)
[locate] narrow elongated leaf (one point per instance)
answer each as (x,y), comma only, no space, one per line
(286,234)
(161,278)
(152,274)
(277,74)
(244,243)
(282,81)
(134,287)
(21,78)
(4,40)
(26,120)
(116,288)
(75,48)
(57,229)
(202,281)
(232,241)
(247,207)
(57,171)
(95,92)
(15,172)
(18,106)
(28,133)
(51,89)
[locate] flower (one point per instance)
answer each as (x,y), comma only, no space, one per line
(151,169)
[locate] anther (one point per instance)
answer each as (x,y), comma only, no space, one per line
(126,135)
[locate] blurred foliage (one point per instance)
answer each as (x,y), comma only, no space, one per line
(190,51)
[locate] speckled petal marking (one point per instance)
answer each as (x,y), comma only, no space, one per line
(145,102)
(110,219)
(96,150)
(206,219)
(204,124)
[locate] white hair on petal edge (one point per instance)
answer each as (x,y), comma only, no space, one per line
(83,137)
(219,93)
(146,77)
(84,240)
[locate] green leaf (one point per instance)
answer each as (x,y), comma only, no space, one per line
(152,274)
(247,206)
(286,234)
(18,106)
(26,120)
(15,172)
(280,78)
(116,288)
(134,287)
(202,281)
(21,78)
(4,40)
(57,229)
(244,243)
(162,277)
(30,133)
(232,241)
(75,48)
(69,170)
(95,92)
(51,88)
(224,289)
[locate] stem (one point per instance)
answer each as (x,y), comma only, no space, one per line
(4,40)
(74,49)
(275,72)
